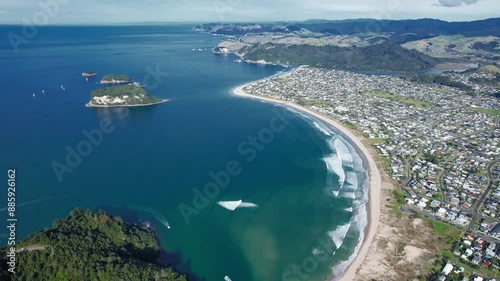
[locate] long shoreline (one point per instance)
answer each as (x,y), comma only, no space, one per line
(375,179)
(90,104)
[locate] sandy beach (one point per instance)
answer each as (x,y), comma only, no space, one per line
(375,180)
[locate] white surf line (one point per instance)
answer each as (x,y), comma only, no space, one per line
(322,129)
(338,235)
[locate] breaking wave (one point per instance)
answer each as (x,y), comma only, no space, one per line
(338,235)
(360,221)
(322,128)
(334,166)
(233,205)
(346,178)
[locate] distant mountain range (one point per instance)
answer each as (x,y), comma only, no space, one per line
(362,44)
(401,31)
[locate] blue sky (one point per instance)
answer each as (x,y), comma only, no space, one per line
(130,11)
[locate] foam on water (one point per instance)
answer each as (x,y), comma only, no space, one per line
(247,205)
(351,179)
(347,165)
(338,235)
(342,151)
(322,128)
(359,221)
(317,251)
(334,165)
(233,205)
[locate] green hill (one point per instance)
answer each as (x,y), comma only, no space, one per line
(385,56)
(127,95)
(90,246)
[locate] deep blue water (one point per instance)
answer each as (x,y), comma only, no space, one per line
(156,156)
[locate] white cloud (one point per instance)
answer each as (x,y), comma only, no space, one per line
(456,3)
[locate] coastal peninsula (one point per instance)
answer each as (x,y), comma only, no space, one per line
(124,95)
(90,246)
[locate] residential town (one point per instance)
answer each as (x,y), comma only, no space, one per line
(440,144)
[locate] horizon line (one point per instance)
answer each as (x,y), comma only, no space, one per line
(239,22)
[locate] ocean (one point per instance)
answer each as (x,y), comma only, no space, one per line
(184,165)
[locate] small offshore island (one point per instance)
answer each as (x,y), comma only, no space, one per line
(89,246)
(131,94)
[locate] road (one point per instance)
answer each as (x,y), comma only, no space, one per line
(410,210)
(476,214)
(441,185)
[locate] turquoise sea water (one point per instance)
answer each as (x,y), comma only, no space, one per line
(300,218)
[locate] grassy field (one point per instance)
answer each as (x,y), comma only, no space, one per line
(318,103)
(489,68)
(401,99)
(440,227)
(485,110)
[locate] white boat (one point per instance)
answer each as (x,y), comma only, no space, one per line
(43,91)
(33,94)
(226,278)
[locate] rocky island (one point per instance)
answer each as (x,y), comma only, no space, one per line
(120,96)
(89,246)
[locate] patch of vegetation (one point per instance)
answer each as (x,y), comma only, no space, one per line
(385,56)
(485,110)
(490,46)
(438,79)
(135,95)
(439,227)
(91,246)
(490,82)
(398,98)
(117,77)
(318,103)
(399,200)
(489,68)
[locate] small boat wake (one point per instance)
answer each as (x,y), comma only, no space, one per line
(159,216)
(233,205)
